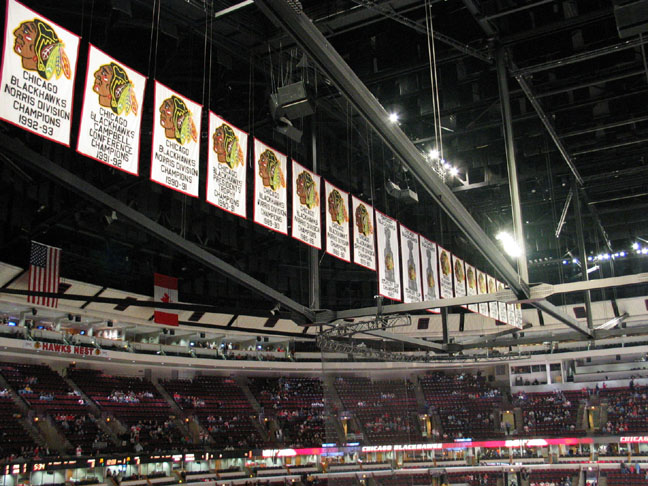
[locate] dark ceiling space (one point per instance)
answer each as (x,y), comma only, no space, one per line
(591,83)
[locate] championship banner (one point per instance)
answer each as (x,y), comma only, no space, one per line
(410,265)
(429,270)
(227,166)
(389,282)
(175,157)
(111,116)
(270,194)
(364,249)
(501,306)
(482,288)
(445,273)
(510,312)
(337,222)
(471,286)
(307,216)
(492,306)
(38,69)
(518,316)
(459,268)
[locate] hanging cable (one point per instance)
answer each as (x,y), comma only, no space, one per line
(438,145)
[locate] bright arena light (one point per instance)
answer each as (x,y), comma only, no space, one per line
(509,244)
(454,171)
(434,154)
(393,117)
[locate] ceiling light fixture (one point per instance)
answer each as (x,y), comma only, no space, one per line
(434,153)
(509,244)
(393,117)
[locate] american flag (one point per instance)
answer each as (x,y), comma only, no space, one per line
(44,265)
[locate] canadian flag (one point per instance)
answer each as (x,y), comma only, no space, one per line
(166,290)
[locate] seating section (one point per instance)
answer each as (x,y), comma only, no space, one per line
(137,404)
(387,410)
(465,403)
(48,393)
(404,480)
(298,406)
(549,414)
(474,479)
(556,477)
(14,438)
(627,409)
(627,477)
(221,408)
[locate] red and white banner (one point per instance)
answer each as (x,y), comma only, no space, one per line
(39,64)
(44,268)
(459,270)
(501,306)
(166,290)
(410,265)
(337,222)
(270,193)
(389,281)
(493,311)
(175,153)
(66,349)
(227,166)
(482,288)
(430,273)
(111,117)
(364,247)
(471,286)
(446,284)
(306,214)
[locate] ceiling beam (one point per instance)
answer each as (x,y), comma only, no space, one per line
(14,148)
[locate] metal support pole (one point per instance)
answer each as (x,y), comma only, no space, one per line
(444,324)
(313,253)
(507,119)
(581,252)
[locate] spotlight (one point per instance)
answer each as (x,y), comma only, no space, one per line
(454,171)
(509,244)
(635,246)
(434,154)
(275,309)
(393,117)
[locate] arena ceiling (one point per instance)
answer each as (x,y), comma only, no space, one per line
(570,62)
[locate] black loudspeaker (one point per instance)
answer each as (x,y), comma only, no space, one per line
(293,99)
(172,332)
(631,17)
(258,339)
(202,335)
(588,360)
(266,339)
(110,323)
(618,357)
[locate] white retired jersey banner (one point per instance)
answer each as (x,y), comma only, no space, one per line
(364,249)
(389,282)
(112,112)
(307,214)
(482,288)
(227,166)
(429,271)
(510,310)
(337,222)
(410,265)
(459,270)
(445,273)
(175,158)
(39,64)
(270,193)
(501,306)
(492,306)
(471,286)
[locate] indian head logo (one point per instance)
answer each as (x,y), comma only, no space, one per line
(270,171)
(307,191)
(41,50)
(177,122)
(227,147)
(363,220)
(337,208)
(116,91)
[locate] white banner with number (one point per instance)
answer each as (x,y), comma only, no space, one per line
(227,166)
(307,214)
(501,306)
(429,269)
(111,117)
(270,193)
(410,265)
(459,270)
(389,281)
(482,288)
(364,248)
(337,222)
(175,158)
(39,64)
(493,311)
